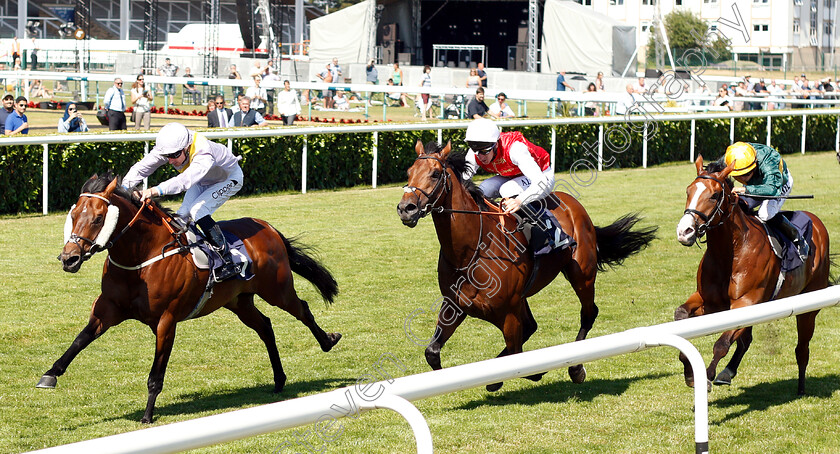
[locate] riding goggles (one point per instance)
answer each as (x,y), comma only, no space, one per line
(175,155)
(482,147)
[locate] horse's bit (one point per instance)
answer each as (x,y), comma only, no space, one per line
(429,207)
(718,210)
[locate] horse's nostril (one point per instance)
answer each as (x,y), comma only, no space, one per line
(410,208)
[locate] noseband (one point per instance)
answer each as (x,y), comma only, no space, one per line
(440,188)
(717,211)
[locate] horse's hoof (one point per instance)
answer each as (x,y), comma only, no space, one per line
(279,384)
(333,338)
(494,387)
(433,358)
(708,385)
(724,378)
(689,381)
(146,420)
(577,373)
(47,382)
(535,377)
(681,313)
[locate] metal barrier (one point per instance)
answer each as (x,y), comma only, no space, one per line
(375,129)
(395,395)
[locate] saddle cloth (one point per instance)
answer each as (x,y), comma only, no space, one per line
(783,246)
(543,230)
(205,257)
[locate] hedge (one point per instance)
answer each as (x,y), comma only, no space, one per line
(345,160)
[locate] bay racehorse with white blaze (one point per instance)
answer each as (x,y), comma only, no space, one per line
(167,291)
(739,268)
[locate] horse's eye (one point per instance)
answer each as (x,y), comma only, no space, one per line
(436,174)
(98,219)
(715,196)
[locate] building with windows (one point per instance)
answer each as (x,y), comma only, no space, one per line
(777,34)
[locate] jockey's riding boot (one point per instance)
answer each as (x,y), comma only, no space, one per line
(217,240)
(783,223)
(545,230)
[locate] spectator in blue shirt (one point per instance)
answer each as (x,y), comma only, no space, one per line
(8,107)
(562,85)
(115,103)
(16,122)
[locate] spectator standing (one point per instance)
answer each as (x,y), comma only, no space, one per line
(722,99)
(335,70)
(397,75)
(426,81)
(189,87)
(15,50)
(258,95)
(473,80)
(33,56)
(8,108)
(775,90)
(740,92)
(72,121)
(482,74)
(115,103)
(288,105)
(562,85)
(141,100)
(599,82)
(500,108)
(327,77)
(234,75)
(247,116)
(590,108)
(476,107)
(220,117)
(16,122)
(371,77)
(211,106)
(168,70)
(256,69)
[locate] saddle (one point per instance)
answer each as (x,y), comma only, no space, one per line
(205,257)
(543,230)
(783,246)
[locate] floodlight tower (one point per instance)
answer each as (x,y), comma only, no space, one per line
(533,21)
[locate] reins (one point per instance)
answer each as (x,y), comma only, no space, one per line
(718,210)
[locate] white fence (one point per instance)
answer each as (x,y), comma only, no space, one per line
(306,131)
(395,395)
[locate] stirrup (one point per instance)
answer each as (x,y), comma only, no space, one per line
(226,271)
(803,249)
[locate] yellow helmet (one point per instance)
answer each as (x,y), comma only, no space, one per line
(743,155)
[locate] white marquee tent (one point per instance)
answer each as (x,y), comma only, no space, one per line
(347,34)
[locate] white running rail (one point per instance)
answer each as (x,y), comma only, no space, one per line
(352,400)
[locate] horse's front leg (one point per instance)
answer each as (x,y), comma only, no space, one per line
(721,349)
(102,317)
(512,330)
(691,308)
(449,318)
(165,338)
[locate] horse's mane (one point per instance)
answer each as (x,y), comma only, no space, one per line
(100,182)
(717,167)
(457,161)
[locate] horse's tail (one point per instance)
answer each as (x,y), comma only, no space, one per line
(618,240)
(311,269)
(833,263)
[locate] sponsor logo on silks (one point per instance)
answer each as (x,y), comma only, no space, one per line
(224,189)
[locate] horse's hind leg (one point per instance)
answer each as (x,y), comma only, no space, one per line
(805,330)
(254,319)
(288,300)
(102,317)
(584,286)
(728,373)
(721,349)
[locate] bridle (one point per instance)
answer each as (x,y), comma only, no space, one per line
(103,240)
(440,188)
(717,211)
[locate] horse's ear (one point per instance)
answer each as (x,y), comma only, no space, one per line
(725,172)
(445,152)
(110,189)
(418,147)
(698,164)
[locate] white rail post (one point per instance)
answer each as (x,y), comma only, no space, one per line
(691,149)
(303,165)
(644,147)
(769,129)
(804,118)
(375,150)
(731,130)
(422,434)
(440,136)
(601,147)
(654,338)
(145,152)
(553,146)
(45,183)
(837,137)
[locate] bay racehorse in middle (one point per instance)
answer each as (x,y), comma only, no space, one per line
(485,269)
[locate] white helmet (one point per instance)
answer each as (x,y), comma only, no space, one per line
(483,130)
(171,138)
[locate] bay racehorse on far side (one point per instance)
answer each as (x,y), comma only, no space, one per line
(739,268)
(484,268)
(107,217)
